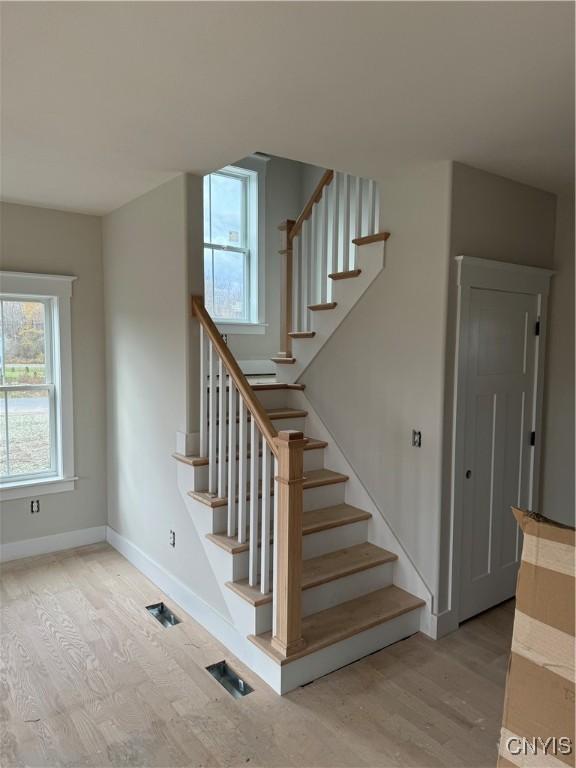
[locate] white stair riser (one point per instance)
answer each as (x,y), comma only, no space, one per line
(340,654)
(324,496)
(333,539)
(314,498)
(333,593)
(312,460)
(274,398)
(313,545)
(347,588)
(282,424)
(297,423)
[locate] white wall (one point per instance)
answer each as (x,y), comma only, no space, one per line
(147,279)
(495,218)
(55,242)
(381,373)
(557,499)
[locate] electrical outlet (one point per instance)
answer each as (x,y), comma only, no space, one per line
(34,506)
(172,538)
(416,438)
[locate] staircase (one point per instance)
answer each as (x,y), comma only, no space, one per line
(306,590)
(331,254)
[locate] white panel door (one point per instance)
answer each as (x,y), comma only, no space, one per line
(500,351)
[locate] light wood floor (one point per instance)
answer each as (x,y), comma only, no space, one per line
(88,678)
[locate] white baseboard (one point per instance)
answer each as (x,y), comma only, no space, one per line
(43,545)
(212,621)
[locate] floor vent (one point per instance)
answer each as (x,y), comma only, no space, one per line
(163,614)
(229,679)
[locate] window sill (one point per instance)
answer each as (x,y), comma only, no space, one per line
(231,329)
(36,487)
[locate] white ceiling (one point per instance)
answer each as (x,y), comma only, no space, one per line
(103,101)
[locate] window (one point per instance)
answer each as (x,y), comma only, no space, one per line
(35,383)
(231,238)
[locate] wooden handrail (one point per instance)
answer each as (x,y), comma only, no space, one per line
(252,403)
(327,177)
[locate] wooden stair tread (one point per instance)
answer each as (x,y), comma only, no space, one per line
(312,522)
(345,275)
(323,569)
(262,387)
(321,307)
(345,620)
(377,237)
(283,360)
(302,334)
(332,517)
(193,461)
(276,414)
(313,478)
(286,413)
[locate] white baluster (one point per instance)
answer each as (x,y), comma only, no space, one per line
(313,254)
(222,429)
(275,549)
(365,192)
(306,274)
(371,206)
(296,283)
(329,193)
(333,223)
(376,207)
(345,213)
(356,218)
(254,461)
(203,393)
(232,459)
(265,538)
(242,471)
(323,246)
(213,421)
(358,206)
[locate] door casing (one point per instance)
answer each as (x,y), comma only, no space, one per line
(492,275)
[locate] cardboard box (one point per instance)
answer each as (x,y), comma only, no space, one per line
(538,722)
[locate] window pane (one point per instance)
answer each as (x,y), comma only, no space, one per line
(227,207)
(208,281)
(24,342)
(207,210)
(3,452)
(28,432)
(229,281)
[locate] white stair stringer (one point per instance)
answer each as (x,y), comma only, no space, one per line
(346,293)
(406,574)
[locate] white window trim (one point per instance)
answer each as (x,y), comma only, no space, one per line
(257,322)
(59,289)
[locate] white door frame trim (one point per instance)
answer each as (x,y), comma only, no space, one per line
(503,276)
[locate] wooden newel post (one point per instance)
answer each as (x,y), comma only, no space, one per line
(287,636)
(286,289)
